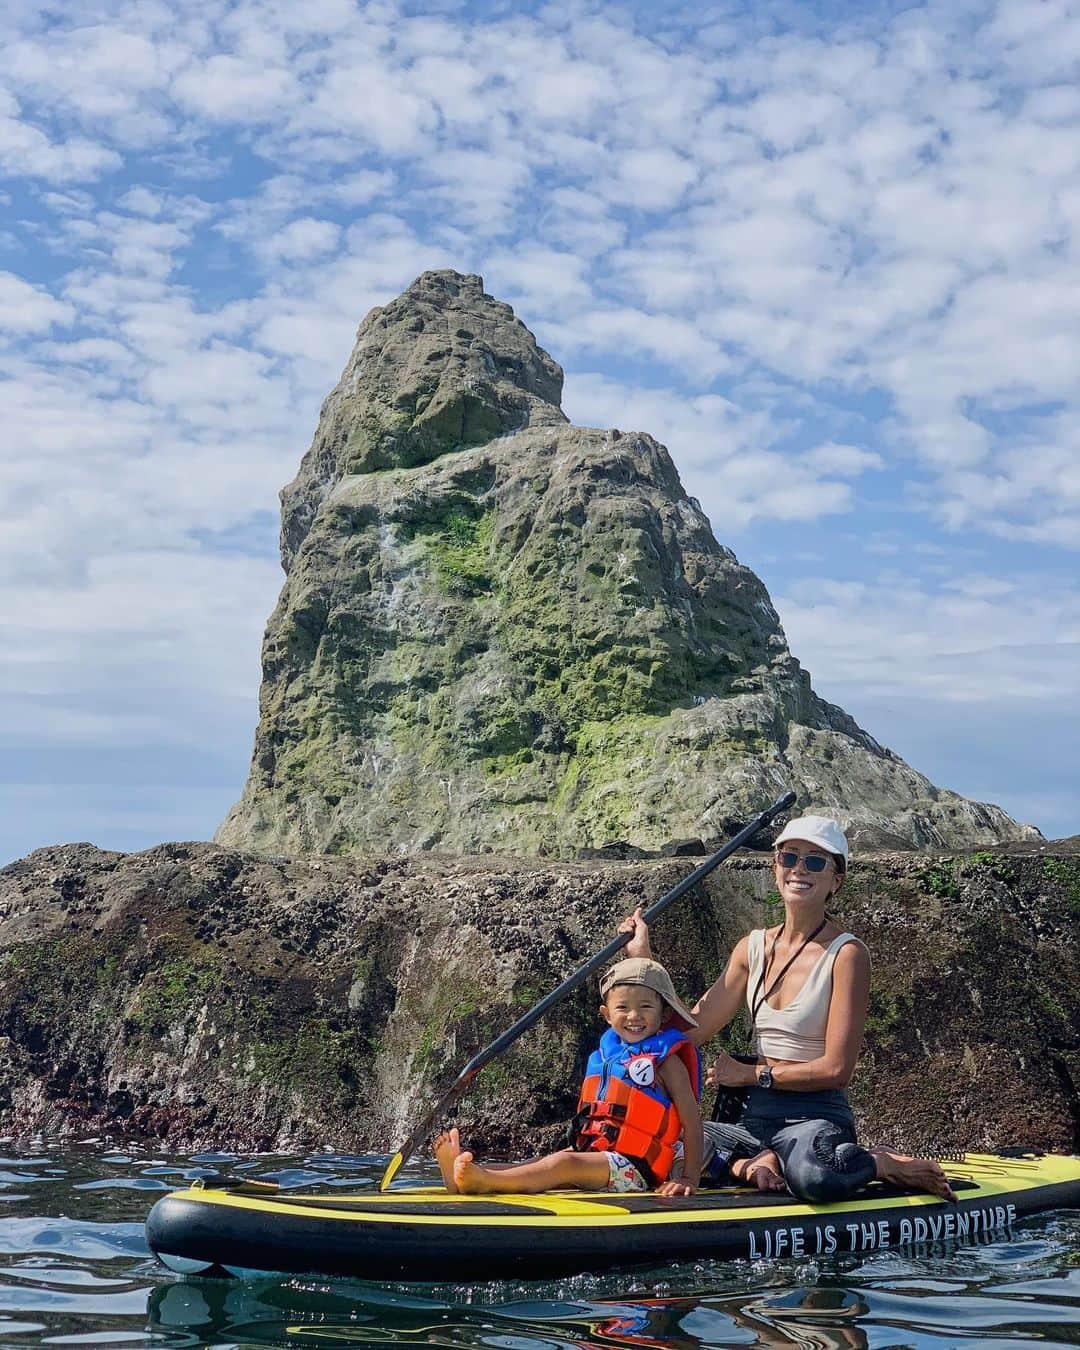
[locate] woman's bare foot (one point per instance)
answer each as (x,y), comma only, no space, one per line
(762,1171)
(766,1179)
(447,1149)
(913,1174)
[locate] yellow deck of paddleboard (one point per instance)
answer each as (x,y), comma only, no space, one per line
(988,1176)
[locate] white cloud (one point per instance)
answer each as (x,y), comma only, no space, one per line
(73,201)
(538,280)
(146,247)
(198,383)
(843,459)
(228,89)
(1062,530)
(357,189)
(479,187)
(967,678)
(676,342)
(142,202)
(29,309)
(651,179)
(970,639)
(25,150)
(306,333)
(581,221)
(724,454)
(371,101)
(105,74)
(453,83)
(99,68)
(864,221)
(318,19)
(143,658)
(790,118)
(302,239)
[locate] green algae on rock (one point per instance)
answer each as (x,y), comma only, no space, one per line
(500,632)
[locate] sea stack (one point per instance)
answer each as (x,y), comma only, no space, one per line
(503,633)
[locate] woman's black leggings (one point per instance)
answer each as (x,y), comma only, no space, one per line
(820,1159)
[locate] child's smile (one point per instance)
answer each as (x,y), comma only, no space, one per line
(633,1011)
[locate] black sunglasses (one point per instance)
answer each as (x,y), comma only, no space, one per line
(813,862)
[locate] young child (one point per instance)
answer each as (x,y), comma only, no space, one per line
(638,1102)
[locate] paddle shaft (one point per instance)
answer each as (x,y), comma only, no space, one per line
(572,982)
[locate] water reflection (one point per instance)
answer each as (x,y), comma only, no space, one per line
(822,1317)
(74,1270)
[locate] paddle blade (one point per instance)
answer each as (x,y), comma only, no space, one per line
(424,1129)
(393,1167)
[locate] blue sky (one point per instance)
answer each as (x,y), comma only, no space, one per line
(828,254)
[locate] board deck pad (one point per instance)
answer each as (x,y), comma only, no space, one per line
(438,1202)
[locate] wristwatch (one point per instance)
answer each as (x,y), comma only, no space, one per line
(764,1077)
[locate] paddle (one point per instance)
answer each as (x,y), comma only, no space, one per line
(568,985)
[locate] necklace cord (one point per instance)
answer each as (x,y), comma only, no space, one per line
(756,1001)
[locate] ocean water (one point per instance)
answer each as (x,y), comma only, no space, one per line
(75,1271)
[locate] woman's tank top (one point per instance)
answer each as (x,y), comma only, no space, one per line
(796,1032)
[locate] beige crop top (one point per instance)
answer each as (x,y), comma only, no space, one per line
(796,1032)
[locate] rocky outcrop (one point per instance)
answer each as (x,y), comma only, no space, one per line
(500,632)
(442,367)
(206,997)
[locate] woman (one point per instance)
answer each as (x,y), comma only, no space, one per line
(807,985)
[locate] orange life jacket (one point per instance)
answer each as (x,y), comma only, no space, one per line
(624,1107)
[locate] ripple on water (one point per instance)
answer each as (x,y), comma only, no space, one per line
(75,1270)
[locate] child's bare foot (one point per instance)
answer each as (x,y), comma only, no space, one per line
(913,1174)
(469,1177)
(447,1149)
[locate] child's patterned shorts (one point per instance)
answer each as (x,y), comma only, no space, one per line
(623,1176)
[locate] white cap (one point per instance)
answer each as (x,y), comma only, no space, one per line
(819,830)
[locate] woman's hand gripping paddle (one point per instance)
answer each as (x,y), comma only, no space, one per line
(579,976)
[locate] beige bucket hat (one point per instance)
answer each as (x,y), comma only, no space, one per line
(640,970)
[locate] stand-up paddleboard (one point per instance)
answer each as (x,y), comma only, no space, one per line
(223,1227)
